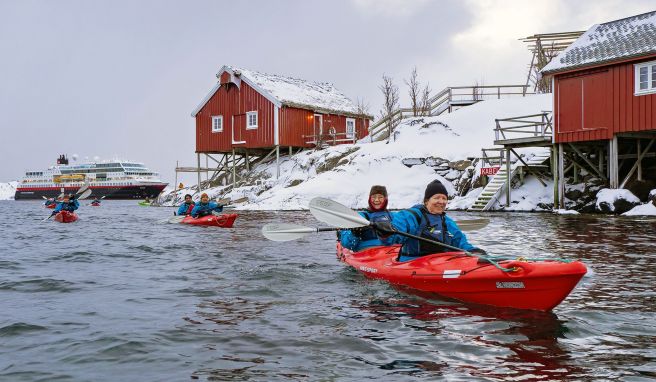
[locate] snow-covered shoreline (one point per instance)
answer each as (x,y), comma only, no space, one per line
(431,147)
(8,190)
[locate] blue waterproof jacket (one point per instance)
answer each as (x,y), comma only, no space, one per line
(184,208)
(70,206)
(362,238)
(204,209)
(438,228)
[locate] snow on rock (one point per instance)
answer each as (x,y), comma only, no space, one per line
(615,200)
(345,173)
(8,190)
(642,210)
(531,196)
(565,212)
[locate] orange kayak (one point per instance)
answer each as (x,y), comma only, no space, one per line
(223,220)
(536,285)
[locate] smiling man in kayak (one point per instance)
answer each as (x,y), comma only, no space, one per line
(186,207)
(69,203)
(358,239)
(429,220)
(205,207)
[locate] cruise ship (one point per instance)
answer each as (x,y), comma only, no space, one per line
(112,179)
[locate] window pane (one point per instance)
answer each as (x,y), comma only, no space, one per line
(653,76)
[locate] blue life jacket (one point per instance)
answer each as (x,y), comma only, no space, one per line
(204,209)
(185,209)
(70,206)
(365,237)
(441,228)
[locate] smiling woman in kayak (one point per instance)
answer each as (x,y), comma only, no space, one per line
(429,220)
(205,207)
(360,238)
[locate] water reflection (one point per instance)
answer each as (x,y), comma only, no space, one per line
(516,342)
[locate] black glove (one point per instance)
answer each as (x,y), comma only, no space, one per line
(479,251)
(383,228)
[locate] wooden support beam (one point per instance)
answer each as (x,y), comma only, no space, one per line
(561,176)
(528,168)
(636,165)
(508,178)
(587,161)
(613,169)
(554,171)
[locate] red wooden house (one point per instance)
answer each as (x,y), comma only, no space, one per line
(604,87)
(251,111)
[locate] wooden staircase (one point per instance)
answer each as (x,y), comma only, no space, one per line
(493,190)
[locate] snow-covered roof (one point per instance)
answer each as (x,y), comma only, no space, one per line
(630,37)
(289,91)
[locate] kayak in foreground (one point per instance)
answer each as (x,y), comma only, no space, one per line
(535,285)
(223,220)
(66,217)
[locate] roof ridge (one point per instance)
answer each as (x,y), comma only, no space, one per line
(626,18)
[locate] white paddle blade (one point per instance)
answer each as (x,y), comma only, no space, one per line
(473,224)
(176,219)
(82,189)
(337,215)
(84,195)
(285,231)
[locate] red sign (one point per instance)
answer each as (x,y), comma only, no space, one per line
(489,170)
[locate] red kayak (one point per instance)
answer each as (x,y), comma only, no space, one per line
(223,220)
(95,204)
(51,205)
(536,285)
(66,217)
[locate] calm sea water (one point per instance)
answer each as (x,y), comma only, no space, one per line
(122,296)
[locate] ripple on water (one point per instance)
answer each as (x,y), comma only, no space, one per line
(10,265)
(18,328)
(39,285)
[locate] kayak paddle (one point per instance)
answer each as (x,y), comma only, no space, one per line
(336,214)
(287,232)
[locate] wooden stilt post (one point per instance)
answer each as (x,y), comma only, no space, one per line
(207,173)
(175,187)
(198,172)
(575,169)
(639,161)
(554,172)
(248,163)
(234,169)
(613,176)
(561,176)
(277,161)
(508,178)
(290,151)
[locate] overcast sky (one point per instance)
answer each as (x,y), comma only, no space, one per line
(119,78)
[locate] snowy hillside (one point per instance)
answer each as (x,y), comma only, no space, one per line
(345,173)
(7,190)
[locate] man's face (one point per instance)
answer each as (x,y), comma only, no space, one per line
(187,199)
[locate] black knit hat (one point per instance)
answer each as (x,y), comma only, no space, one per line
(378,190)
(434,187)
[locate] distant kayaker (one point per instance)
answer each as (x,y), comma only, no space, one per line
(429,220)
(69,203)
(186,207)
(95,201)
(357,239)
(205,207)
(49,202)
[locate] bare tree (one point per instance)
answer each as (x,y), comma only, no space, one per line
(425,104)
(391,103)
(363,111)
(413,91)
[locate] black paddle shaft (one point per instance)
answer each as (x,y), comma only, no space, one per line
(386,227)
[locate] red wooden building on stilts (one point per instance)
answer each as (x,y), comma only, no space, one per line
(604,87)
(250,116)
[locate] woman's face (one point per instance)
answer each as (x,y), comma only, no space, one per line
(204,199)
(377,200)
(436,204)
(187,199)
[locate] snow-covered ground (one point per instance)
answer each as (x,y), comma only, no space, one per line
(345,173)
(7,190)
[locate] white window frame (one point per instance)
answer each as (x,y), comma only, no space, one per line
(217,118)
(651,78)
(350,135)
(249,126)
